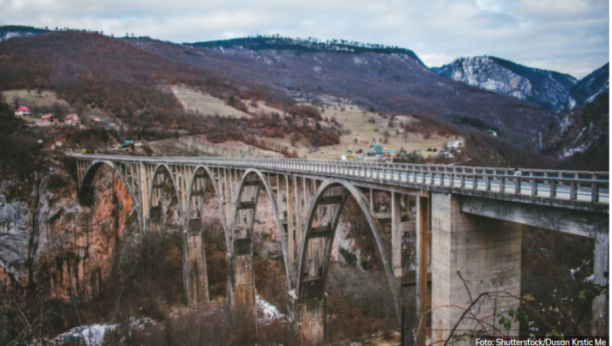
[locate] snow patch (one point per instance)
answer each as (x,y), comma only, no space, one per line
(590,99)
(358,61)
(11,34)
(267,313)
(91,335)
(570,151)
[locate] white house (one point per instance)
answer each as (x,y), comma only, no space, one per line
(72,119)
(454,144)
(23,111)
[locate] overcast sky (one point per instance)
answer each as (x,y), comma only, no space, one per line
(570,36)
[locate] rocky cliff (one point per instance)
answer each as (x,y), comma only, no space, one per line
(57,242)
(589,87)
(549,89)
(581,136)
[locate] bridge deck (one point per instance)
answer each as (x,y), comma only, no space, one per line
(579,190)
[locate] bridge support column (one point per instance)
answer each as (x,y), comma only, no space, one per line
(423,240)
(194,264)
(600,303)
(241,275)
(309,319)
(487,253)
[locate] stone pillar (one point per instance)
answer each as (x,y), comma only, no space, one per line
(396,234)
(487,253)
(308,319)
(423,238)
(241,275)
(600,272)
(194,264)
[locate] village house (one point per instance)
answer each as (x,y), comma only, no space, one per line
(454,144)
(23,111)
(48,119)
(72,119)
(391,153)
(376,149)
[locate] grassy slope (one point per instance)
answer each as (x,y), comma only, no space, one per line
(350,116)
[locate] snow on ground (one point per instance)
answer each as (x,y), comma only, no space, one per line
(93,334)
(570,151)
(267,313)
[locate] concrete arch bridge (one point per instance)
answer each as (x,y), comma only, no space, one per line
(466,219)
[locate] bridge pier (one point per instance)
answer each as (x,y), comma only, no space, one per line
(240,274)
(600,274)
(194,264)
(308,319)
(487,254)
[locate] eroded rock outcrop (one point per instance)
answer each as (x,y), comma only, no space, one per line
(57,242)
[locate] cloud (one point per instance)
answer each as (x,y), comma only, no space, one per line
(570,36)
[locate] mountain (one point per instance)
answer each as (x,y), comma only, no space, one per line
(261,43)
(131,79)
(548,89)
(589,87)
(386,79)
(8,31)
(581,137)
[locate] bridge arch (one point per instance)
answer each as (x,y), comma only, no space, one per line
(249,177)
(85,190)
(162,171)
(195,277)
(190,194)
(309,287)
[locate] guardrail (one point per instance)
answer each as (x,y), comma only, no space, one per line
(563,185)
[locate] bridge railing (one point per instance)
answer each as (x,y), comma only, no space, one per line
(564,185)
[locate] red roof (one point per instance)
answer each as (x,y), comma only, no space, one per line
(71,117)
(47,116)
(96,119)
(23,109)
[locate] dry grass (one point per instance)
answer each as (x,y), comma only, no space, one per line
(353,118)
(350,117)
(30,119)
(198,146)
(261,106)
(31,98)
(206,104)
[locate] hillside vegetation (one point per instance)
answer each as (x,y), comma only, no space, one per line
(129,81)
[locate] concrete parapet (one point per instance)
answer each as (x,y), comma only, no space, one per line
(487,254)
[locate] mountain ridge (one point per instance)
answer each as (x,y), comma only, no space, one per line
(310,45)
(387,82)
(10,31)
(587,89)
(549,89)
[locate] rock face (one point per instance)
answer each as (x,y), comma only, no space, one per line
(589,87)
(547,88)
(14,218)
(582,134)
(72,248)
